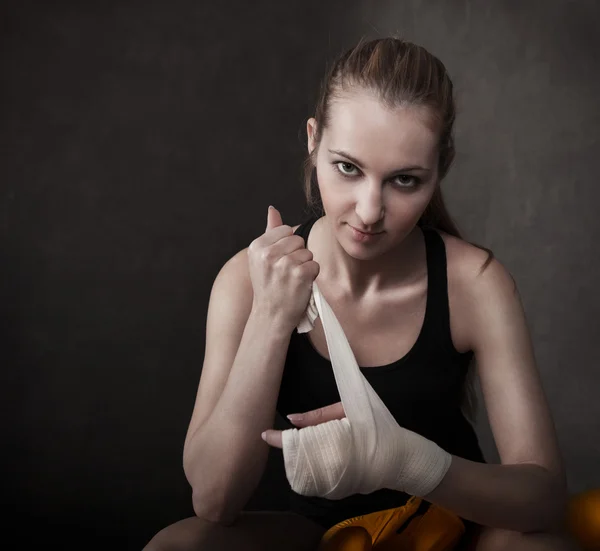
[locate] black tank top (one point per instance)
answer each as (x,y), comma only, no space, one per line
(422,390)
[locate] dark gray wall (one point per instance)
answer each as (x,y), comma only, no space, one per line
(141,144)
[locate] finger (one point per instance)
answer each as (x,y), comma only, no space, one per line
(273,438)
(318,416)
(273,218)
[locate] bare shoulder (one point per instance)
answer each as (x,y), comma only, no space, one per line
(234,275)
(474,268)
(477,282)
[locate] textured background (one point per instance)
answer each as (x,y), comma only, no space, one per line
(141,143)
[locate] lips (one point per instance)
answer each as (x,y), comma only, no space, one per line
(365,232)
(363,237)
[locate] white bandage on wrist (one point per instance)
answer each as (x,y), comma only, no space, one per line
(367,450)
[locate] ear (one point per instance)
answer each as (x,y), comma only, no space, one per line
(311,129)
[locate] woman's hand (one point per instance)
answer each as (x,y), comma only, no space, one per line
(282,271)
(399,459)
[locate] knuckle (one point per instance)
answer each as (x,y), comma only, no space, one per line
(267,254)
(299,272)
(287,263)
(291,265)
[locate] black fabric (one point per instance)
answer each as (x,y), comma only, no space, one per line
(422,390)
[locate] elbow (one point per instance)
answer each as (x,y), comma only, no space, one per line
(214,509)
(550,509)
(208,499)
(221,486)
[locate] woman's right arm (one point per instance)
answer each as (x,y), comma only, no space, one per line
(247,337)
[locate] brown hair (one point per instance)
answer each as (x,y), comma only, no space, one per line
(399,73)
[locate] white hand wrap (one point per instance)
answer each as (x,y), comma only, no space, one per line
(367,450)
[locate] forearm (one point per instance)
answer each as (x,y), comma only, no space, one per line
(522,497)
(226,457)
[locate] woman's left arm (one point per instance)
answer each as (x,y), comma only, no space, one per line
(526,492)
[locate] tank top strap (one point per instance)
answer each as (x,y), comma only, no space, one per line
(438,307)
(303,229)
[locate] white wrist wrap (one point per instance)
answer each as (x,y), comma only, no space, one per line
(365,451)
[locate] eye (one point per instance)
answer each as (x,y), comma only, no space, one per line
(346,167)
(405,180)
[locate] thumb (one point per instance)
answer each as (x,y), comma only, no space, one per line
(273,218)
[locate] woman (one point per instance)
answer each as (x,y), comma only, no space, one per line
(403,284)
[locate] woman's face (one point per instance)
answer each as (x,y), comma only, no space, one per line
(377,171)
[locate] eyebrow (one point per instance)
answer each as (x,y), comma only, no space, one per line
(359,164)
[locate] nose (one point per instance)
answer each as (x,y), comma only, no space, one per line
(370,203)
